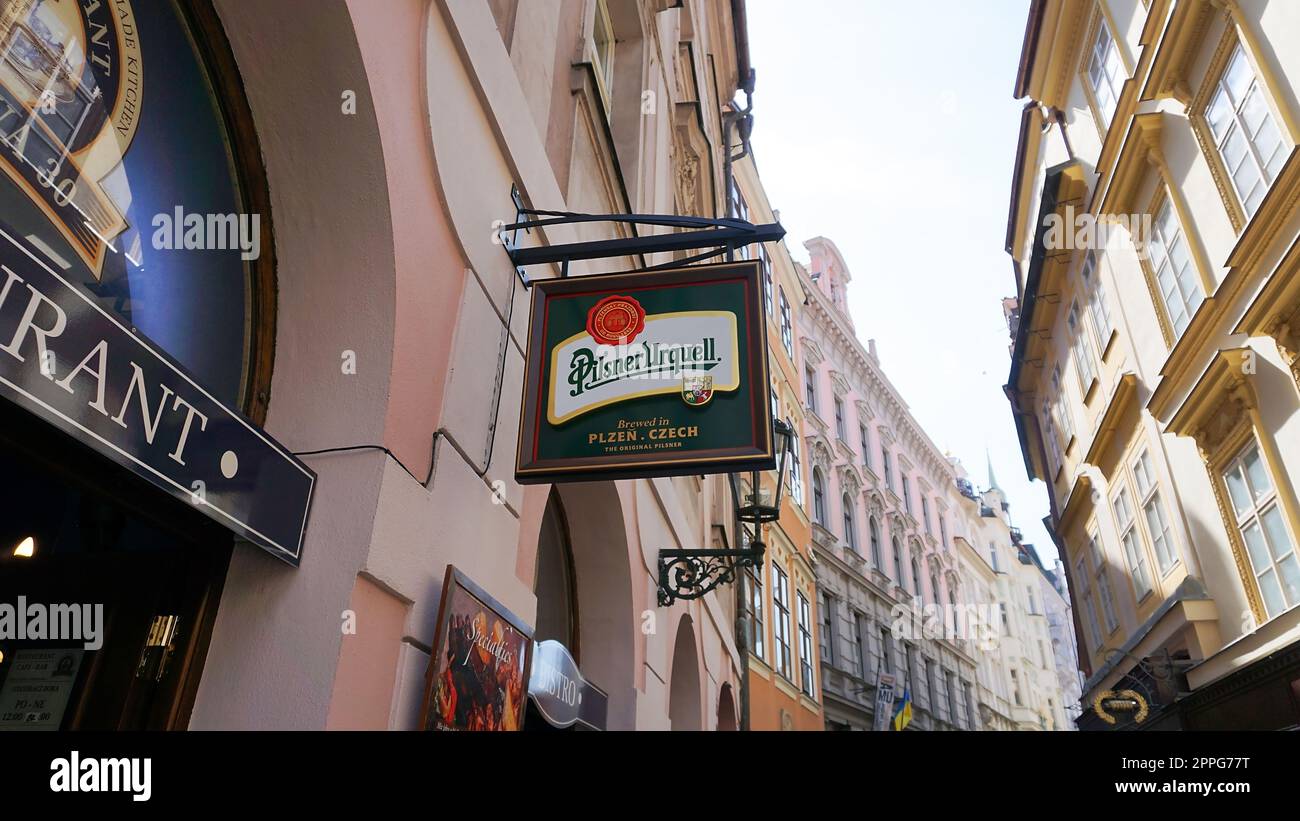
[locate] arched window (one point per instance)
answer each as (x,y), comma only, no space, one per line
(850,532)
(874,529)
(819,498)
(898,561)
(934,588)
(952,607)
(557,601)
(787,326)
(916,576)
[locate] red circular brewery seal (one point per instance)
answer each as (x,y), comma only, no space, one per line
(615,320)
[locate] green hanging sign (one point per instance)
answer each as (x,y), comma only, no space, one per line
(659,373)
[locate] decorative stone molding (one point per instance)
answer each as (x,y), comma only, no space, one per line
(1285,330)
(850,482)
(812,352)
(822,455)
(839,384)
(875,504)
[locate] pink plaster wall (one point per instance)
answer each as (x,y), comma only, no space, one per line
(430,267)
(363,687)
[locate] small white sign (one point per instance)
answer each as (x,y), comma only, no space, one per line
(37,687)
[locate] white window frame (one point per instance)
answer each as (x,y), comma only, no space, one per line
(781,648)
(826,635)
(603,45)
(796,471)
(1183,285)
(757,603)
(873,534)
(787,326)
(1261,503)
(1103,323)
(1084,360)
(1233,124)
(1061,401)
(807,670)
(1104,593)
(819,496)
(1130,537)
(1106,72)
(850,522)
(1159,532)
(768,283)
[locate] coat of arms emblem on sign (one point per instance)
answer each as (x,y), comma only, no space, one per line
(697,390)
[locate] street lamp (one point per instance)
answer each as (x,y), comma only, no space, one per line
(690,574)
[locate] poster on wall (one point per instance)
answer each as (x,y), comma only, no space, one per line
(659,373)
(482,653)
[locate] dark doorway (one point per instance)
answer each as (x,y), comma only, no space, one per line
(141,569)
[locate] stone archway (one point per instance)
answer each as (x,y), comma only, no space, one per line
(603,586)
(727,710)
(684,683)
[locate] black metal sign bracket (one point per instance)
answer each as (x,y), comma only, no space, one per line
(716,235)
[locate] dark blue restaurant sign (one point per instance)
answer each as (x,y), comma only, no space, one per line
(65,359)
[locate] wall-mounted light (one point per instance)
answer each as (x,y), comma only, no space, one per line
(690,574)
(26,548)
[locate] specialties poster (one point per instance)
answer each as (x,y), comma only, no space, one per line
(646,374)
(478,675)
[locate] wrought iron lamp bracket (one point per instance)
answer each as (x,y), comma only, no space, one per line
(691,574)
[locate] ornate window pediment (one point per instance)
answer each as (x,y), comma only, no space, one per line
(812,352)
(822,455)
(875,503)
(839,383)
(850,482)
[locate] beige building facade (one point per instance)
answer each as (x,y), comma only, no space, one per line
(1154,379)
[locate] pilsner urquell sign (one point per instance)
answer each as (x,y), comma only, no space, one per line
(659,373)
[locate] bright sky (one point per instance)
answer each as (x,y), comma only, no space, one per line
(894,135)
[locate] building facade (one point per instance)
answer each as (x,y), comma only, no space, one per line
(1154,378)
(888,523)
(780,604)
(1020,670)
(379,337)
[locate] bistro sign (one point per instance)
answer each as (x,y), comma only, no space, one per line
(68,361)
(649,374)
(560,693)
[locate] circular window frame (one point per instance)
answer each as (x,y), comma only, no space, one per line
(217,61)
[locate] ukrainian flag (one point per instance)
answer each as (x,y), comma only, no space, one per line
(903,712)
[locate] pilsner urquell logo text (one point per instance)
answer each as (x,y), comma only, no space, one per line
(626,354)
(646,360)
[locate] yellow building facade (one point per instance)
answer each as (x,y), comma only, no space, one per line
(780,598)
(1154,375)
